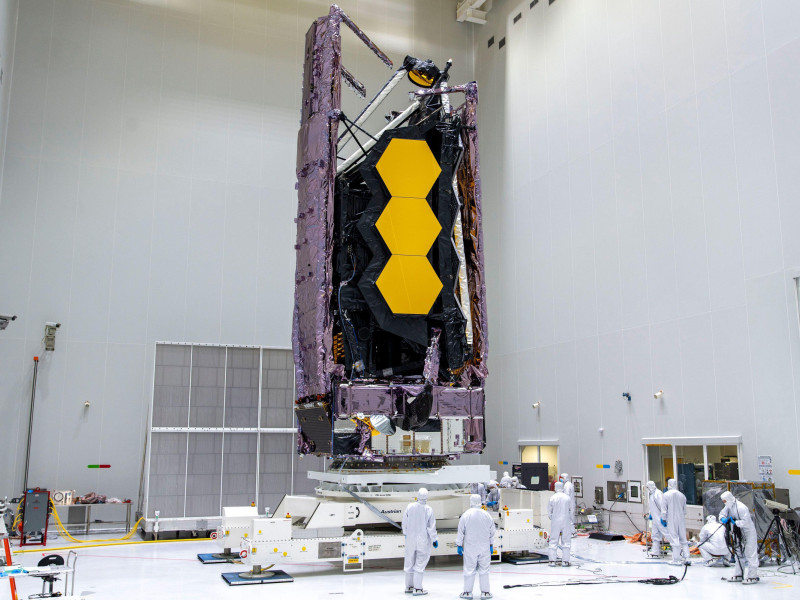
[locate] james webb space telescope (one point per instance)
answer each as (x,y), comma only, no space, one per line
(389,333)
(389,327)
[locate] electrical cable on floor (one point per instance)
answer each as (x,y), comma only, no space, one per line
(794,568)
(671,580)
(767,573)
(597,571)
(68,535)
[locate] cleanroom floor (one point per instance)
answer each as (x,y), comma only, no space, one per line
(172,571)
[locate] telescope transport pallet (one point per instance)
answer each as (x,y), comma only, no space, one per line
(355,517)
(274,541)
(355,549)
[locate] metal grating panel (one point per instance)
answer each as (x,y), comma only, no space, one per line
(221,431)
(208,387)
(238,467)
(171,386)
(241,388)
(167,474)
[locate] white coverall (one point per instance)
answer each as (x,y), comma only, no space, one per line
(419,527)
(516,484)
(712,543)
(480,490)
(505,482)
(475,535)
(560,512)
(675,515)
(569,490)
(658,511)
(744,522)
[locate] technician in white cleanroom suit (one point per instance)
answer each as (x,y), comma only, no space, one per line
(739,516)
(492,495)
(655,501)
(505,481)
(713,547)
(474,540)
(675,515)
(569,490)
(419,527)
(516,484)
(560,512)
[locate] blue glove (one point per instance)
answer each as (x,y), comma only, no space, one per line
(663,523)
(491,549)
(461,551)
(650,517)
(436,544)
(724,520)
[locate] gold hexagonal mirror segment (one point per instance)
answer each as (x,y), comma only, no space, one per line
(409,285)
(408,226)
(408,168)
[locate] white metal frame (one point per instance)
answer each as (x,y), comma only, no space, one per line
(223,430)
(705,442)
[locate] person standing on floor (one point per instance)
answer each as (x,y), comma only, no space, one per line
(419,527)
(474,540)
(738,516)
(675,515)
(560,512)
(655,502)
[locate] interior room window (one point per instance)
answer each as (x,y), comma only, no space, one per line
(691,472)
(543,454)
(723,463)
(659,464)
(691,465)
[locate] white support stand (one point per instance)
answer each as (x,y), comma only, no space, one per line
(335,526)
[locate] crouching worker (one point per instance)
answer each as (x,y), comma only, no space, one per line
(713,547)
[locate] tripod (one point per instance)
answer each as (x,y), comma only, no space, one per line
(780,535)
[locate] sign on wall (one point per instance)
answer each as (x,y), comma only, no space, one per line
(765,469)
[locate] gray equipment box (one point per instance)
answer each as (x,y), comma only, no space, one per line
(36,509)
